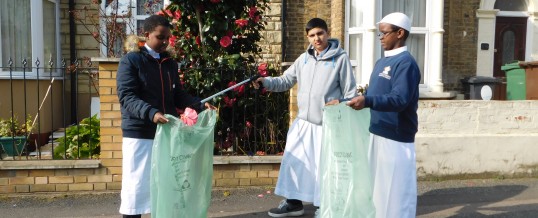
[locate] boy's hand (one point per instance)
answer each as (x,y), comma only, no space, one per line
(356,103)
(332,102)
(256,83)
(159,118)
(209,106)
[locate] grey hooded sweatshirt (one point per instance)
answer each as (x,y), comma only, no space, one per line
(319,80)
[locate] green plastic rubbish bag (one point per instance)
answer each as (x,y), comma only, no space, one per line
(346,186)
(182,167)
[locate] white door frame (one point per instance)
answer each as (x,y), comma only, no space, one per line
(486,34)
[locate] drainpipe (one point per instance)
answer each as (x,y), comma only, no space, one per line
(283,30)
(72,58)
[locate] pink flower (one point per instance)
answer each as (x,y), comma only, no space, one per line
(172,40)
(241,22)
(189,117)
(252,11)
(229,101)
(176,14)
(225,41)
(214,1)
(262,69)
(240,90)
(248,124)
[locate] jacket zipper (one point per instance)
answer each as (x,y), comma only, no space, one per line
(162,82)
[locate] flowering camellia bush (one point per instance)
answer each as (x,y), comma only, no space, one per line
(216,45)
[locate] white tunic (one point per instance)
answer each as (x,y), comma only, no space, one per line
(135,184)
(298,176)
(393,169)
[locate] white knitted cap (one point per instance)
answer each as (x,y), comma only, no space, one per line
(398,19)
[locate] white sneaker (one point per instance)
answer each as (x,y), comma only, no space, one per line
(317,214)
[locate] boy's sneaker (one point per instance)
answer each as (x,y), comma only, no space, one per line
(317,214)
(285,209)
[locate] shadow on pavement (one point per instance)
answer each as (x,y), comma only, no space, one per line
(475,202)
(309,211)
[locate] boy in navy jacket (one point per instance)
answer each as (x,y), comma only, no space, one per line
(148,87)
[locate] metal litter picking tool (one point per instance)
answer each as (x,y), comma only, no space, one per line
(253,78)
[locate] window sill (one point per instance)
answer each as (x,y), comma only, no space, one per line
(49,164)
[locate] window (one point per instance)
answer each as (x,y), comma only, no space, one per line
(362,43)
(416,10)
(354,37)
(511,5)
(25,37)
(122,18)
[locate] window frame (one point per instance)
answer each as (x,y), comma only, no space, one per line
(131,23)
(426,31)
(37,29)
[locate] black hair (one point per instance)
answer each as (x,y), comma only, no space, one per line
(154,21)
(316,23)
(396,28)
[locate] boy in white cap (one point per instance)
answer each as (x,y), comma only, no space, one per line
(392,96)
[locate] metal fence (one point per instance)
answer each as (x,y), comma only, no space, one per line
(46,112)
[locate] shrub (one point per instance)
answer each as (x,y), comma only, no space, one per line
(80,141)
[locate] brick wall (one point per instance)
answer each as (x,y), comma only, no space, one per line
(459,41)
(234,175)
(299,12)
(338,20)
(86,45)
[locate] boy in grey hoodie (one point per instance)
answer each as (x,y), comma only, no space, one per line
(323,73)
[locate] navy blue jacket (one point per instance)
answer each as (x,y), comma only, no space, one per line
(393,97)
(146,86)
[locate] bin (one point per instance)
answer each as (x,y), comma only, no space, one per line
(515,81)
(480,87)
(531,79)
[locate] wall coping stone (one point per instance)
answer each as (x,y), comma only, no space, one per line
(102,59)
(90,164)
(219,160)
(49,164)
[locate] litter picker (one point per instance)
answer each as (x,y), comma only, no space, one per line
(253,78)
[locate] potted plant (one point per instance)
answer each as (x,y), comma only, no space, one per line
(13,135)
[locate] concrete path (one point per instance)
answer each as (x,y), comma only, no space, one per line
(453,198)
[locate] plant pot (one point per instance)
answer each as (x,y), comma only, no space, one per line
(6,143)
(40,139)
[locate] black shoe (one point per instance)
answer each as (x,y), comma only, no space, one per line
(286,209)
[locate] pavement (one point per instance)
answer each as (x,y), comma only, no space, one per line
(516,198)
